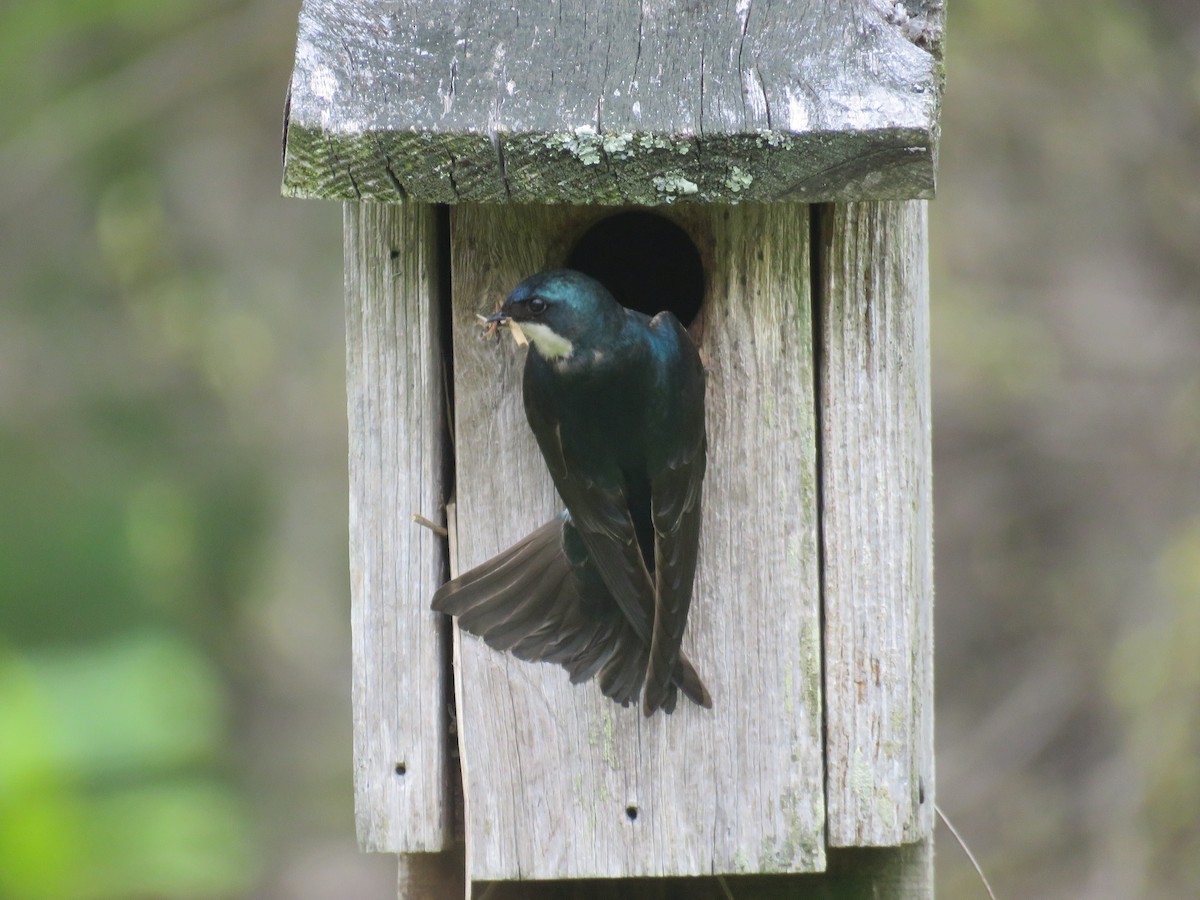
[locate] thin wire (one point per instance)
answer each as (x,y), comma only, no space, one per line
(966,850)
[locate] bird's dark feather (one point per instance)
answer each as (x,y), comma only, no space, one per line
(550,612)
(577,421)
(619,419)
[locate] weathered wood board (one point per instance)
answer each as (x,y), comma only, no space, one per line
(397,421)
(552,770)
(876,475)
(859,873)
(610,103)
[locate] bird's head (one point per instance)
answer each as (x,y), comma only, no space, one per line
(561,310)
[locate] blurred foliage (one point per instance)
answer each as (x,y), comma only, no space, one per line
(1066,334)
(156,442)
(173,636)
(106,781)
(1154,680)
(129,532)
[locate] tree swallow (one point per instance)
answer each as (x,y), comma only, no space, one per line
(616,402)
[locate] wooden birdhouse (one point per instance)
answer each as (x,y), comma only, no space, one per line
(759,169)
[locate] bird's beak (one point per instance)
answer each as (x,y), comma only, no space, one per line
(503,317)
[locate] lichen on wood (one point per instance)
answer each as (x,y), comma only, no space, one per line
(613,103)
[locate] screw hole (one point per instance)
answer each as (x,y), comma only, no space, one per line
(395,254)
(631,812)
(401,769)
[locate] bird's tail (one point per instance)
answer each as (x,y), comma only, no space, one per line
(530,600)
(663,694)
(534,601)
(688,680)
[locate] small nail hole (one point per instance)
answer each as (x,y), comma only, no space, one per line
(395,254)
(401,768)
(631,811)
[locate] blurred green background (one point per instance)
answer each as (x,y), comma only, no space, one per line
(174,646)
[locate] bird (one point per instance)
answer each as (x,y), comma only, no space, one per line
(615,400)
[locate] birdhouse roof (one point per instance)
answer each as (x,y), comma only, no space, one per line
(616,102)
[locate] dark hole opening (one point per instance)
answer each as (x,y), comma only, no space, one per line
(648,262)
(401,768)
(631,812)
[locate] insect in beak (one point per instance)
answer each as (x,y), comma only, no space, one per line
(492,322)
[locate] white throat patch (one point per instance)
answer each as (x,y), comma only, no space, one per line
(549,343)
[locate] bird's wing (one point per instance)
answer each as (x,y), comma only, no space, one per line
(677,467)
(543,600)
(600,514)
(545,603)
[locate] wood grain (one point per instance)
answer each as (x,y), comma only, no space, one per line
(877,523)
(875,873)
(397,424)
(552,770)
(592,102)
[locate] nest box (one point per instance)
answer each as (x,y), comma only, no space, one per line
(759,169)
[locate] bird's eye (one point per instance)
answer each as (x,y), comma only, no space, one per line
(537,305)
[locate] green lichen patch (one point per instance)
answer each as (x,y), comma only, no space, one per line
(600,737)
(800,848)
(674,185)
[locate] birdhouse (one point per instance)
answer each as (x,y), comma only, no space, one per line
(759,170)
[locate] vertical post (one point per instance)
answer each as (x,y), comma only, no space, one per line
(877,522)
(396,413)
